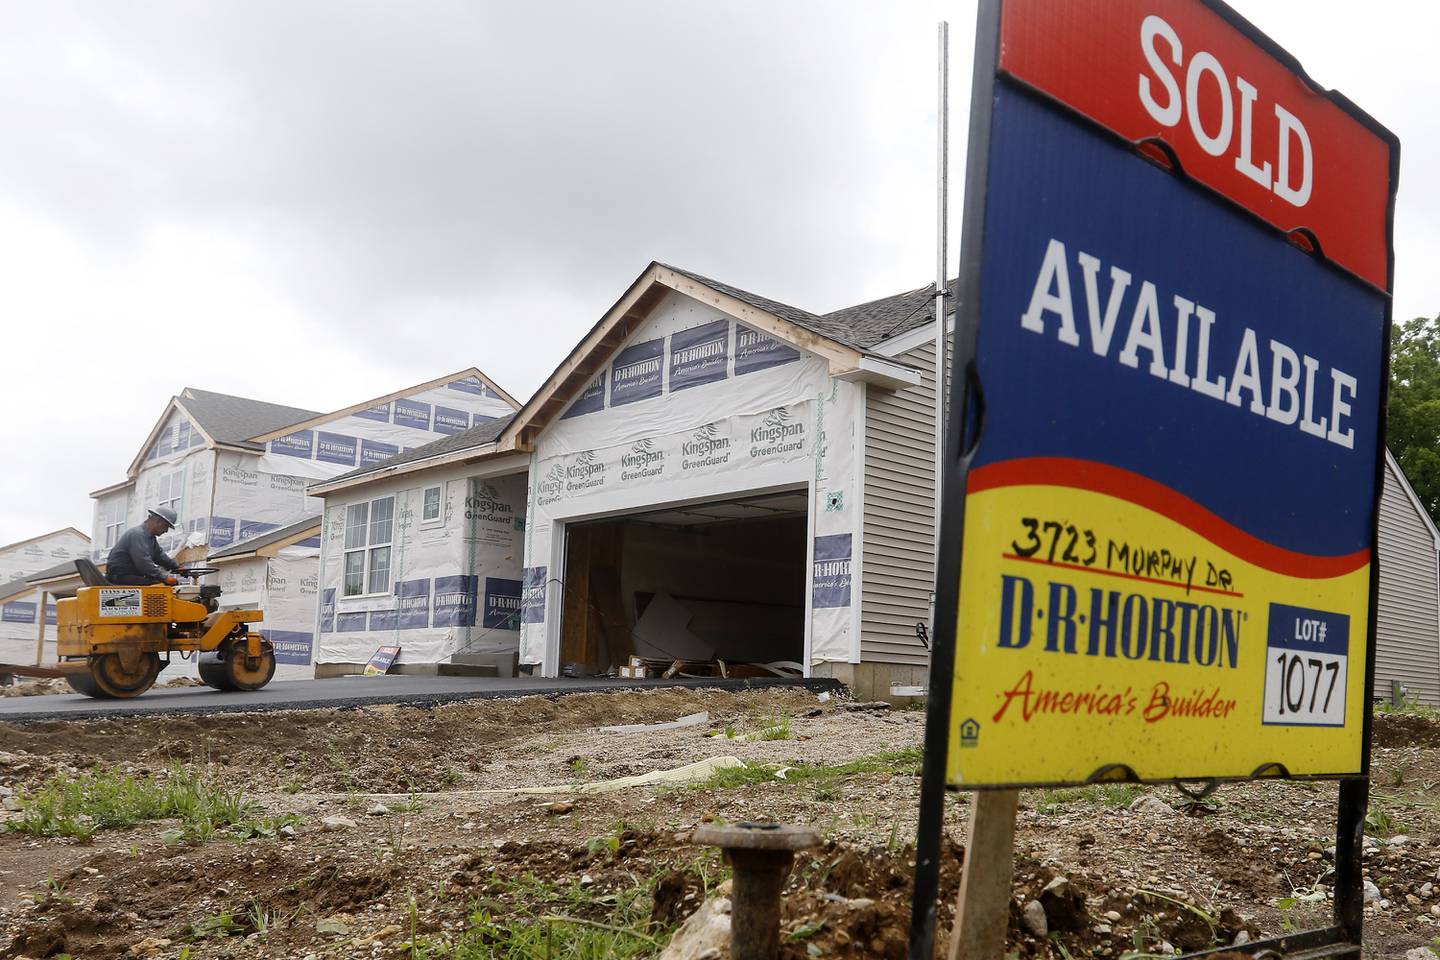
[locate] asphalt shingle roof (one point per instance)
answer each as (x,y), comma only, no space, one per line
(265,539)
(879,320)
(476,436)
(14,587)
(861,326)
(66,569)
(235,420)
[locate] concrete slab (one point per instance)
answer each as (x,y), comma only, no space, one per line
(354,692)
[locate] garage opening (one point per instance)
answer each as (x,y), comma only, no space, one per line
(717,588)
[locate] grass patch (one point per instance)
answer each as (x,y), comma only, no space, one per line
(906,762)
(1114,795)
(1382,823)
(527,918)
(111,800)
(1410,707)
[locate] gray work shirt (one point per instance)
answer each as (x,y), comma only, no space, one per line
(137,554)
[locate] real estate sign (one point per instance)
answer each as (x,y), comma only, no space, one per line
(1175,325)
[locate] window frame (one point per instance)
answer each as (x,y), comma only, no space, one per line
(175,481)
(367,548)
(439,517)
(112,521)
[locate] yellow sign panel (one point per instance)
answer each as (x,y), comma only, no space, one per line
(1082,647)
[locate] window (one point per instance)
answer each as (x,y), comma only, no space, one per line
(172,491)
(431,510)
(369,528)
(112,521)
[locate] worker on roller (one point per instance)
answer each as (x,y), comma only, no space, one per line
(136,560)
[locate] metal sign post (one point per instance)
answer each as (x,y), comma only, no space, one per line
(1165,446)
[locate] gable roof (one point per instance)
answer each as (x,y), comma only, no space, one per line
(21,543)
(476,438)
(315,419)
(837,340)
(1409,490)
(15,588)
(61,571)
(861,326)
(871,324)
(235,420)
(255,544)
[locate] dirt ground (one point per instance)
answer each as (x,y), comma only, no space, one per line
(416,846)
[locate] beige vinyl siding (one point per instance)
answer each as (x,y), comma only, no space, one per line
(898,570)
(1407,630)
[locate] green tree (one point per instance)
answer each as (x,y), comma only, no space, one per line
(1414,419)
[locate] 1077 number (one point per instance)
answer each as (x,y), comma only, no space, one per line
(1293,685)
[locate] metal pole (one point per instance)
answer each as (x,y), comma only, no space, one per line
(930,830)
(942,162)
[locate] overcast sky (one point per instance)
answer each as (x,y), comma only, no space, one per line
(316,203)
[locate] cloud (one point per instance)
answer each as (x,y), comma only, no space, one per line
(314,203)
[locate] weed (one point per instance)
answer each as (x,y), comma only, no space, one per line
(452,776)
(412,804)
(111,799)
(220,925)
(779,730)
(826,792)
(906,762)
(579,766)
(293,787)
(1114,795)
(1410,706)
(526,918)
(260,918)
(1382,823)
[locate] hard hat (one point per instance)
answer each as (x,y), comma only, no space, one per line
(166,514)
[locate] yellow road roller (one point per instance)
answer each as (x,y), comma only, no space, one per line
(114,640)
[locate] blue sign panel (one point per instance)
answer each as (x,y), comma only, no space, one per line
(18,611)
(450,420)
(222,532)
(374,451)
(352,622)
(455,601)
(502,603)
(759,351)
(592,398)
(699,355)
(327,610)
(301,443)
(1180,336)
(255,528)
(831,587)
(471,385)
(532,601)
(335,448)
(638,372)
(379,413)
(291,646)
(413,604)
(408,413)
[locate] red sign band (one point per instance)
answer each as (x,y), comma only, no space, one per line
(1238,119)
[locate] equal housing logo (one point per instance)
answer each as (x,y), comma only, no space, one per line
(705,448)
(777,434)
(643,461)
